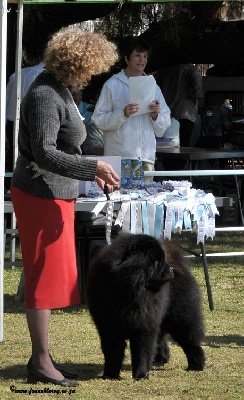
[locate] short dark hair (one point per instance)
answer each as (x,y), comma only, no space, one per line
(139,45)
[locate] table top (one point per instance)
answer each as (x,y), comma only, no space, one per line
(89,205)
(197,153)
(158,215)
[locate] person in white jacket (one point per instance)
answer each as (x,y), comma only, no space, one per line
(28,75)
(125,134)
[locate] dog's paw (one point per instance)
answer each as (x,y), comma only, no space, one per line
(195,368)
(160,360)
(111,377)
(137,377)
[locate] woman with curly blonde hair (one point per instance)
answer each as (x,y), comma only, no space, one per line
(72,56)
(45,185)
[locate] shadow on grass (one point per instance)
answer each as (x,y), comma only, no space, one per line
(85,372)
(12,306)
(219,341)
(17,307)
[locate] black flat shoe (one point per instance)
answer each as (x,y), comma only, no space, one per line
(66,374)
(35,376)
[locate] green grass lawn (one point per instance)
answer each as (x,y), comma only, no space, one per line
(75,344)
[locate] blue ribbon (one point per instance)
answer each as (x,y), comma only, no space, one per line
(145,222)
(158,223)
(133,217)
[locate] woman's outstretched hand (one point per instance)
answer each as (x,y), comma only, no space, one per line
(107,175)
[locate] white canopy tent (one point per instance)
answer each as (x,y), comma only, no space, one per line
(3,51)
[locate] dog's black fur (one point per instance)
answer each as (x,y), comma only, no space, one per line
(141,290)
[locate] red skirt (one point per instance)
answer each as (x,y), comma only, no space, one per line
(46,232)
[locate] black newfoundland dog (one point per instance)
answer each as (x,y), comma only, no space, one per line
(141,290)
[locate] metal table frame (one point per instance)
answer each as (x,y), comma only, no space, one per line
(192,156)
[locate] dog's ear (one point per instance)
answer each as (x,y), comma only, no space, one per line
(163,272)
(140,269)
(175,256)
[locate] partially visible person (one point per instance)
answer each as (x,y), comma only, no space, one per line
(125,134)
(45,186)
(182,88)
(86,110)
(85,101)
(94,142)
(215,121)
(28,75)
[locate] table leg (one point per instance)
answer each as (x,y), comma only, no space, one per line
(205,266)
(238,194)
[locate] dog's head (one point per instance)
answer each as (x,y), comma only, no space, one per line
(141,261)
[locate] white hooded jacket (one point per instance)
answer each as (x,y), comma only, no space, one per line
(132,137)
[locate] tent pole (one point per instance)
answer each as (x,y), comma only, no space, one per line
(3,51)
(18,65)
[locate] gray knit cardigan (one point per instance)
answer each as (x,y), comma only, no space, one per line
(51,132)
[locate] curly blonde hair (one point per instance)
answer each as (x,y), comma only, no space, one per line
(73,56)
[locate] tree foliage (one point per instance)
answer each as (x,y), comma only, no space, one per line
(170,27)
(130,19)
(166,25)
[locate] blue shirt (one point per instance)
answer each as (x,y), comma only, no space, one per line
(82,107)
